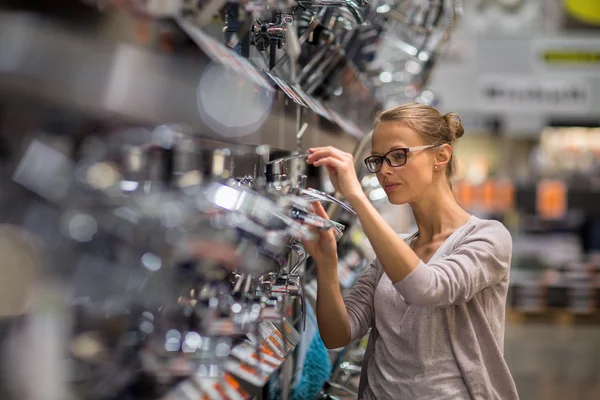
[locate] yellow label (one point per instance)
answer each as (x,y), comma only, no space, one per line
(584,10)
(572,57)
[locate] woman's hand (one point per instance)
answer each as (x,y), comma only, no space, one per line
(340,166)
(323,249)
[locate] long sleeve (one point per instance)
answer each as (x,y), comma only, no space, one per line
(481,260)
(359,302)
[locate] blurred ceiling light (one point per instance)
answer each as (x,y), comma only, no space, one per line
(173,334)
(190,178)
(134,159)
(229,104)
(172,344)
(413,67)
(377,194)
(427,96)
(88,347)
(80,227)
(374,182)
(478,170)
(164,136)
(423,56)
(236,308)
(385,77)
(405,47)
(399,76)
(151,261)
(382,9)
(102,176)
(410,91)
(227,198)
(128,186)
(148,315)
(147,327)
(222,350)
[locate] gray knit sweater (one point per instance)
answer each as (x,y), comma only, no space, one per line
(438,333)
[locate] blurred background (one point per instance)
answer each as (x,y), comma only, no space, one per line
(152,187)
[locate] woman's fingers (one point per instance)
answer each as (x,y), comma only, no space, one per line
(329,162)
(320,210)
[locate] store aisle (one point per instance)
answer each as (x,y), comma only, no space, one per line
(554,362)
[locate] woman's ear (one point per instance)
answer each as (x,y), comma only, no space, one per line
(443,157)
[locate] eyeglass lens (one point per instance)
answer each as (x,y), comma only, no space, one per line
(395,158)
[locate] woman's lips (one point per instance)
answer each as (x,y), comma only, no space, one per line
(391,186)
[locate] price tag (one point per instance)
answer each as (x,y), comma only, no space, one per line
(233,388)
(551,200)
(273,339)
(465,195)
(289,332)
(488,195)
(247,372)
(227,387)
(505,195)
(265,360)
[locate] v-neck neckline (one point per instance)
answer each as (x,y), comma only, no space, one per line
(445,242)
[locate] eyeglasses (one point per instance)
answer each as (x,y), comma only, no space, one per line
(394,158)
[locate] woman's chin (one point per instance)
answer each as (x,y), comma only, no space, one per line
(398,199)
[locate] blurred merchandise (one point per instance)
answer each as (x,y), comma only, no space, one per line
(154,194)
(568,151)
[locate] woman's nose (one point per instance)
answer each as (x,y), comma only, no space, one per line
(386,169)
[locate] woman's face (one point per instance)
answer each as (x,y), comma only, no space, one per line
(408,182)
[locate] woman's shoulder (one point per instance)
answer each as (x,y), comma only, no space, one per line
(487,233)
(481,226)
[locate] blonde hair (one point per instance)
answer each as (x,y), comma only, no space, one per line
(428,122)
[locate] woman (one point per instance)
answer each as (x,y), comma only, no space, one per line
(436,302)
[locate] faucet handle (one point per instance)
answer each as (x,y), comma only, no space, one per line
(291,285)
(317,195)
(276,170)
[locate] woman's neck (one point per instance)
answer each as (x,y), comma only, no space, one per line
(438,214)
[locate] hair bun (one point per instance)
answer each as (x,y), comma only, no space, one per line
(455,124)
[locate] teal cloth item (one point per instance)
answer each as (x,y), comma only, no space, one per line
(316,371)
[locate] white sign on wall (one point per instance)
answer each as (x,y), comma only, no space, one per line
(519,93)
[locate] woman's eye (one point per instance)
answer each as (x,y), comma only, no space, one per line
(398,156)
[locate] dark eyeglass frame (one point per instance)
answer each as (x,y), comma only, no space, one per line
(406,150)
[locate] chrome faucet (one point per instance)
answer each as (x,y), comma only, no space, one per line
(276,172)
